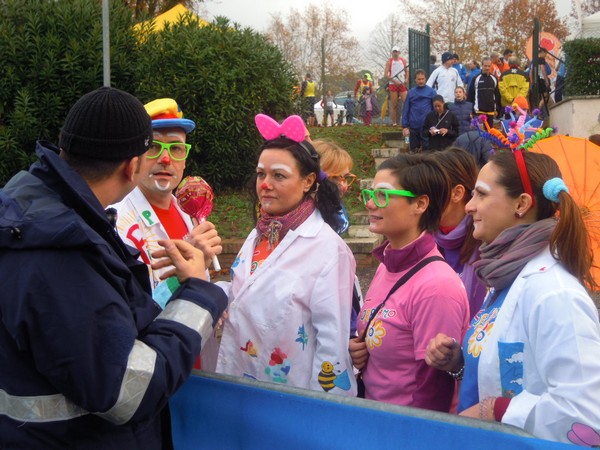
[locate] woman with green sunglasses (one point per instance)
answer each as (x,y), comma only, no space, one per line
(409,194)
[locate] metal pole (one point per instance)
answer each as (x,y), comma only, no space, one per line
(105,43)
(323,67)
(535,49)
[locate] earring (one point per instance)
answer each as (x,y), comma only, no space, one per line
(518,214)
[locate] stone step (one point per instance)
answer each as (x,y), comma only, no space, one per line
(399,144)
(358,231)
(392,135)
(363,245)
(360,218)
(385,152)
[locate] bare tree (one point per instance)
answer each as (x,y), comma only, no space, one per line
(515,37)
(581,9)
(389,33)
(590,7)
(462,26)
(301,34)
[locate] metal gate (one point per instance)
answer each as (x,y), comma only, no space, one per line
(418,52)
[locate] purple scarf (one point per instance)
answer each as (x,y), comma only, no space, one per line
(452,242)
(502,260)
(274,228)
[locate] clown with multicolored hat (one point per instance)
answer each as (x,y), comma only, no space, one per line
(151,213)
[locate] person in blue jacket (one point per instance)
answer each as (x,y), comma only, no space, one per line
(462,109)
(462,71)
(419,103)
(88,359)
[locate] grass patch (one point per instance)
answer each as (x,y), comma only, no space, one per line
(232,212)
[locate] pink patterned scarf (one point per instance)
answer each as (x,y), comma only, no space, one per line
(274,228)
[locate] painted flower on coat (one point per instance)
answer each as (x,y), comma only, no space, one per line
(375,335)
(302,336)
(482,328)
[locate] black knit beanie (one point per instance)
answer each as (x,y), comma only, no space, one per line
(106,124)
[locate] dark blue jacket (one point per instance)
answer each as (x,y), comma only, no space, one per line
(462,111)
(88,359)
(419,103)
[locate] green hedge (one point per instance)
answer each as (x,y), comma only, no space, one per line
(51,53)
(583,67)
(221,77)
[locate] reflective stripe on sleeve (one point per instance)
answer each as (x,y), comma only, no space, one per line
(41,408)
(138,374)
(55,407)
(190,315)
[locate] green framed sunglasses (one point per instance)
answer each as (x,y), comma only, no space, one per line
(381,197)
(178,151)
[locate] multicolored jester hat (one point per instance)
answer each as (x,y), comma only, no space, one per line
(519,130)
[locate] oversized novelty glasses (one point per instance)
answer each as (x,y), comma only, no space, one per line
(348,178)
(381,197)
(178,151)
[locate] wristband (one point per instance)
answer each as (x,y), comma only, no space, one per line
(457,375)
(486,408)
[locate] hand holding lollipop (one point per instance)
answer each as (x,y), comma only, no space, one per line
(195,197)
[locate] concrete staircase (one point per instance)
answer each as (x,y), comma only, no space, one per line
(360,240)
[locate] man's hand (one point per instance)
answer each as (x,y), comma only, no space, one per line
(204,236)
(187,261)
(405,131)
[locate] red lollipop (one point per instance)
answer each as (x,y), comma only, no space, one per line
(195,197)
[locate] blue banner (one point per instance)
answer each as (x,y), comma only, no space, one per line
(221,412)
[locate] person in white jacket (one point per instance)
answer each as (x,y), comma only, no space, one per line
(150,213)
(531,356)
(290,296)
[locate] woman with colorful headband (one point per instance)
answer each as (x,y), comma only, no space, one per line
(531,355)
(413,293)
(290,295)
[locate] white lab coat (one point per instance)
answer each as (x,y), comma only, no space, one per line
(291,318)
(139,226)
(548,311)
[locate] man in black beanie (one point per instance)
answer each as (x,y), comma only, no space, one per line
(89,359)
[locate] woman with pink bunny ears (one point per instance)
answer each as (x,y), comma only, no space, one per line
(290,295)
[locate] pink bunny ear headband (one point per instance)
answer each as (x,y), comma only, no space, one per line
(292,128)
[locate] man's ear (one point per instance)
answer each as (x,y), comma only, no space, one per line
(131,168)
